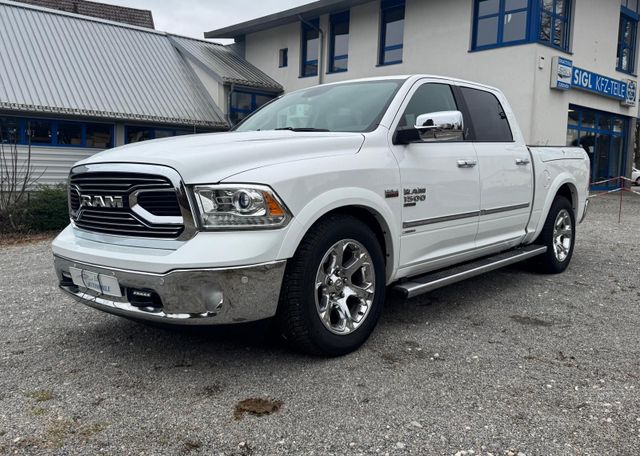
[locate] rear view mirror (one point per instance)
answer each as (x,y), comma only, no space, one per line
(433,127)
(441,126)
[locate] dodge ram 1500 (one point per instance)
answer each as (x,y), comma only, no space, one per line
(310,208)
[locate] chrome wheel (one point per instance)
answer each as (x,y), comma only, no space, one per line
(345,287)
(562,235)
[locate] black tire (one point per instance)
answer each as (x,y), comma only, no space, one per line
(298,317)
(550,263)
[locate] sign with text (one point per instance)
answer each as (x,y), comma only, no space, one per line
(596,83)
(565,76)
(561,73)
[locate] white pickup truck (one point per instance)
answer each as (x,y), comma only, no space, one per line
(311,207)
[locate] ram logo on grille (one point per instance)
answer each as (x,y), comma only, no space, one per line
(101,201)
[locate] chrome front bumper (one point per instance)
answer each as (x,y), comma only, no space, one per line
(186,296)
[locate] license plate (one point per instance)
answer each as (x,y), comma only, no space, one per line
(100,283)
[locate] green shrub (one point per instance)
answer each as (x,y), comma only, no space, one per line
(47,209)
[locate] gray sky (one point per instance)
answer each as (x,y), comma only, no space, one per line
(194,17)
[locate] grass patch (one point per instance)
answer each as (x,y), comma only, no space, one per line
(41,395)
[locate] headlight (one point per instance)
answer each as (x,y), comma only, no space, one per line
(227,207)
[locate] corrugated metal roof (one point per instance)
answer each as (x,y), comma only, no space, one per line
(124,14)
(227,66)
(55,62)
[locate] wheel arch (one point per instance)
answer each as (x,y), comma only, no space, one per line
(564,185)
(375,214)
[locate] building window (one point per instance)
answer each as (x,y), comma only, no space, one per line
(310,52)
(603,137)
(137,133)
(510,22)
(627,36)
(9,130)
(40,132)
(500,22)
(339,42)
(283,58)
(99,136)
(58,133)
(244,102)
(391,31)
(554,23)
(69,134)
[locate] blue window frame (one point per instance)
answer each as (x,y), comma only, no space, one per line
(310,48)
(603,136)
(555,23)
(244,102)
(500,23)
(627,37)
(55,132)
(631,5)
(283,58)
(137,133)
(391,31)
(339,42)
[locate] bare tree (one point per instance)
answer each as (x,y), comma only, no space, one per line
(17,178)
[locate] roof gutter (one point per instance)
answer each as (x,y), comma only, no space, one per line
(321,55)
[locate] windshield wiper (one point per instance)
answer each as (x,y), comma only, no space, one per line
(303,129)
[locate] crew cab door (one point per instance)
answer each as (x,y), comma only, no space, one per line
(506,172)
(440,183)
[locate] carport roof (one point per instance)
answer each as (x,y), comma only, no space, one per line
(224,64)
(308,11)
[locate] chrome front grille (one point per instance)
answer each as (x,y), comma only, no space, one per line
(133,204)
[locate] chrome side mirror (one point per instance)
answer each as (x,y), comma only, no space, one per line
(441,126)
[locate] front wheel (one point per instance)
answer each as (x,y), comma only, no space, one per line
(558,234)
(333,289)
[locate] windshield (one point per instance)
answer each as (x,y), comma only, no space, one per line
(351,107)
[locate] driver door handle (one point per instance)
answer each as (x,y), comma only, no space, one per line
(522,161)
(467,163)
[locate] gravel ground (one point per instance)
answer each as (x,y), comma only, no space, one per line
(508,363)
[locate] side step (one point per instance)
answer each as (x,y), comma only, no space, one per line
(438,279)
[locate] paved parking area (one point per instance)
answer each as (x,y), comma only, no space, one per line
(508,363)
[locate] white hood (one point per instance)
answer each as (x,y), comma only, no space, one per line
(211,158)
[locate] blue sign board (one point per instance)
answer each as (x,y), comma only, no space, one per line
(596,83)
(565,76)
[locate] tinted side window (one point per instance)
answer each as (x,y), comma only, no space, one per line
(427,99)
(489,119)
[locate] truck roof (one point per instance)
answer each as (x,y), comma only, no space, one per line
(413,77)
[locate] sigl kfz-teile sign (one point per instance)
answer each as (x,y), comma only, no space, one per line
(565,76)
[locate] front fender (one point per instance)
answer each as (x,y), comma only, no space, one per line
(340,198)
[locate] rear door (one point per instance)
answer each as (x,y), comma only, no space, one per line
(504,164)
(440,184)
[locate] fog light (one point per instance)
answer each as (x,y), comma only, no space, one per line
(143,298)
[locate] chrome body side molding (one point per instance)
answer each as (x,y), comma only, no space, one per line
(449,218)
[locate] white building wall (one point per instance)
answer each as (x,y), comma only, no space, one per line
(437,40)
(50,165)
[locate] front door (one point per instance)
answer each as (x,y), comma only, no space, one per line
(440,185)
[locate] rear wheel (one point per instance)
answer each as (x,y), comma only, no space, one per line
(333,289)
(558,234)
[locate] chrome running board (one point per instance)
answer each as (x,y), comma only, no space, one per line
(438,279)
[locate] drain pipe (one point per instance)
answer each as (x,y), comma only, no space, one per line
(321,55)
